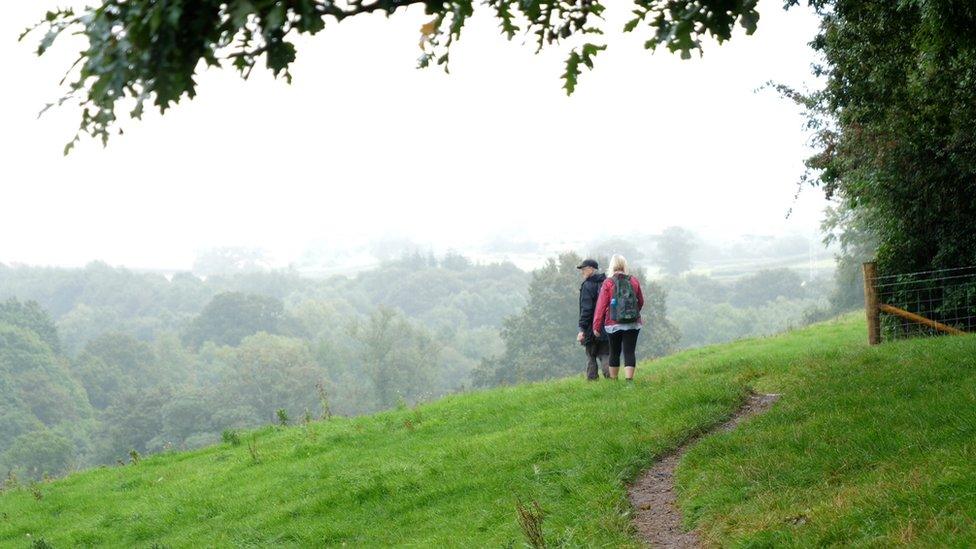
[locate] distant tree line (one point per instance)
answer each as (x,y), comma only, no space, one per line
(707,310)
(101,361)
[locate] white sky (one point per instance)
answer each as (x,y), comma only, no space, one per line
(363,145)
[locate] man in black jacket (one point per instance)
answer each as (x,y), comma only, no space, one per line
(597,348)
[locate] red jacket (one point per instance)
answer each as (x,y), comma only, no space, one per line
(601,316)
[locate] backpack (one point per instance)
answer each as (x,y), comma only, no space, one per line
(624,309)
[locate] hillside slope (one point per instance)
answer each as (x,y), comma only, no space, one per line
(867,445)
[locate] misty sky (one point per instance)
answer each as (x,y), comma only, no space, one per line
(362,145)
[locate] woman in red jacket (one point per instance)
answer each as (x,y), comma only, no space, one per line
(623,334)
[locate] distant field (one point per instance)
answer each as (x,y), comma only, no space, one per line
(871,446)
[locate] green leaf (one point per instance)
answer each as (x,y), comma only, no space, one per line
(749,21)
(47,41)
(240,12)
(275,18)
(576,58)
(280,56)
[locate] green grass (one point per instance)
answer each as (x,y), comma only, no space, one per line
(871,446)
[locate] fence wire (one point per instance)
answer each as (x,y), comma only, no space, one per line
(946,296)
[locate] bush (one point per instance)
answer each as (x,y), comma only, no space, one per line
(231,436)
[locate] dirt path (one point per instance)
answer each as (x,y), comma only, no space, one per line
(658,519)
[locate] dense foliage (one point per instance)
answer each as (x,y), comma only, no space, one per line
(895,125)
(43,409)
(232,316)
(143,51)
(141,362)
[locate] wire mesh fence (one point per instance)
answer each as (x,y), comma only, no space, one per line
(927,303)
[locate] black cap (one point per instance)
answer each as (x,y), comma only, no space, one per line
(588,263)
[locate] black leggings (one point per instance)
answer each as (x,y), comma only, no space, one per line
(625,340)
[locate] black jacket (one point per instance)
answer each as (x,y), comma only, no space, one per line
(589,291)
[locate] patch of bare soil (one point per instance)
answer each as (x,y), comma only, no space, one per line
(658,519)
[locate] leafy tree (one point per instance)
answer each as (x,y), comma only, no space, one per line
(84,323)
(893,125)
(14,419)
(858,243)
(187,414)
(398,358)
(114,363)
(411,290)
(267,372)
(315,319)
(232,316)
(450,318)
(36,393)
(540,342)
(148,51)
(178,365)
(130,294)
(36,380)
(133,420)
(674,247)
(39,453)
(31,316)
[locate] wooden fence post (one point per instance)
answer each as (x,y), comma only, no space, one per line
(871,306)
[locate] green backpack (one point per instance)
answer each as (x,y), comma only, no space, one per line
(624,308)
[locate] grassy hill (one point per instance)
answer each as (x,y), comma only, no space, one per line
(872,446)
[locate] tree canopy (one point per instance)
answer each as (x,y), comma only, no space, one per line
(148,363)
(894,127)
(33,317)
(232,316)
(150,51)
